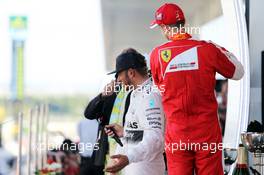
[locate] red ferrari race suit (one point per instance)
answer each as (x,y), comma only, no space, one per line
(184,69)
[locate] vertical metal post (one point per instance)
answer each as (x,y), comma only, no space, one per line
(37,146)
(0,134)
(20,137)
(247,15)
(42,136)
(29,142)
(262,87)
(46,114)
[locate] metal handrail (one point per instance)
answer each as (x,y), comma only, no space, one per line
(8,121)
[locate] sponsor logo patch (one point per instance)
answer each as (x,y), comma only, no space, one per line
(187,60)
(151,103)
(133,125)
(133,136)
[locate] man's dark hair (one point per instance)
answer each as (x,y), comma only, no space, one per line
(179,24)
(143,70)
(129,50)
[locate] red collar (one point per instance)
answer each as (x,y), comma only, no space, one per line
(180,36)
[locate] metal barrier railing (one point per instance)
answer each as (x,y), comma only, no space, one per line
(7,121)
(29,153)
(40,113)
(20,137)
(37,153)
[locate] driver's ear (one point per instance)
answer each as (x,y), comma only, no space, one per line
(131,72)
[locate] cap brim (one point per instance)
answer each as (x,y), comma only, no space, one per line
(112,72)
(153,24)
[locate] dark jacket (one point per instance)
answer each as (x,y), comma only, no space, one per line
(100,108)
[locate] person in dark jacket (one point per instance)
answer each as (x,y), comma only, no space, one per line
(100,108)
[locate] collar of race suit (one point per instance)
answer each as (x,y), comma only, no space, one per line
(180,36)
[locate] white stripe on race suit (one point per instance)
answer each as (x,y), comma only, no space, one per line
(239,69)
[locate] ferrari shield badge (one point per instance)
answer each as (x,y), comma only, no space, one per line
(166,55)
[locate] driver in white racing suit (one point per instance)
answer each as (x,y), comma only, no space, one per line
(142,135)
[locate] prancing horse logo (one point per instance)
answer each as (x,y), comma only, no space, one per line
(166,55)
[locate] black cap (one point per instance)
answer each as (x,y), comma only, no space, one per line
(129,60)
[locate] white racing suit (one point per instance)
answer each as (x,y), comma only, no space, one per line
(143,132)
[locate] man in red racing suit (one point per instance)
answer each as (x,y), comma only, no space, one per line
(184,69)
